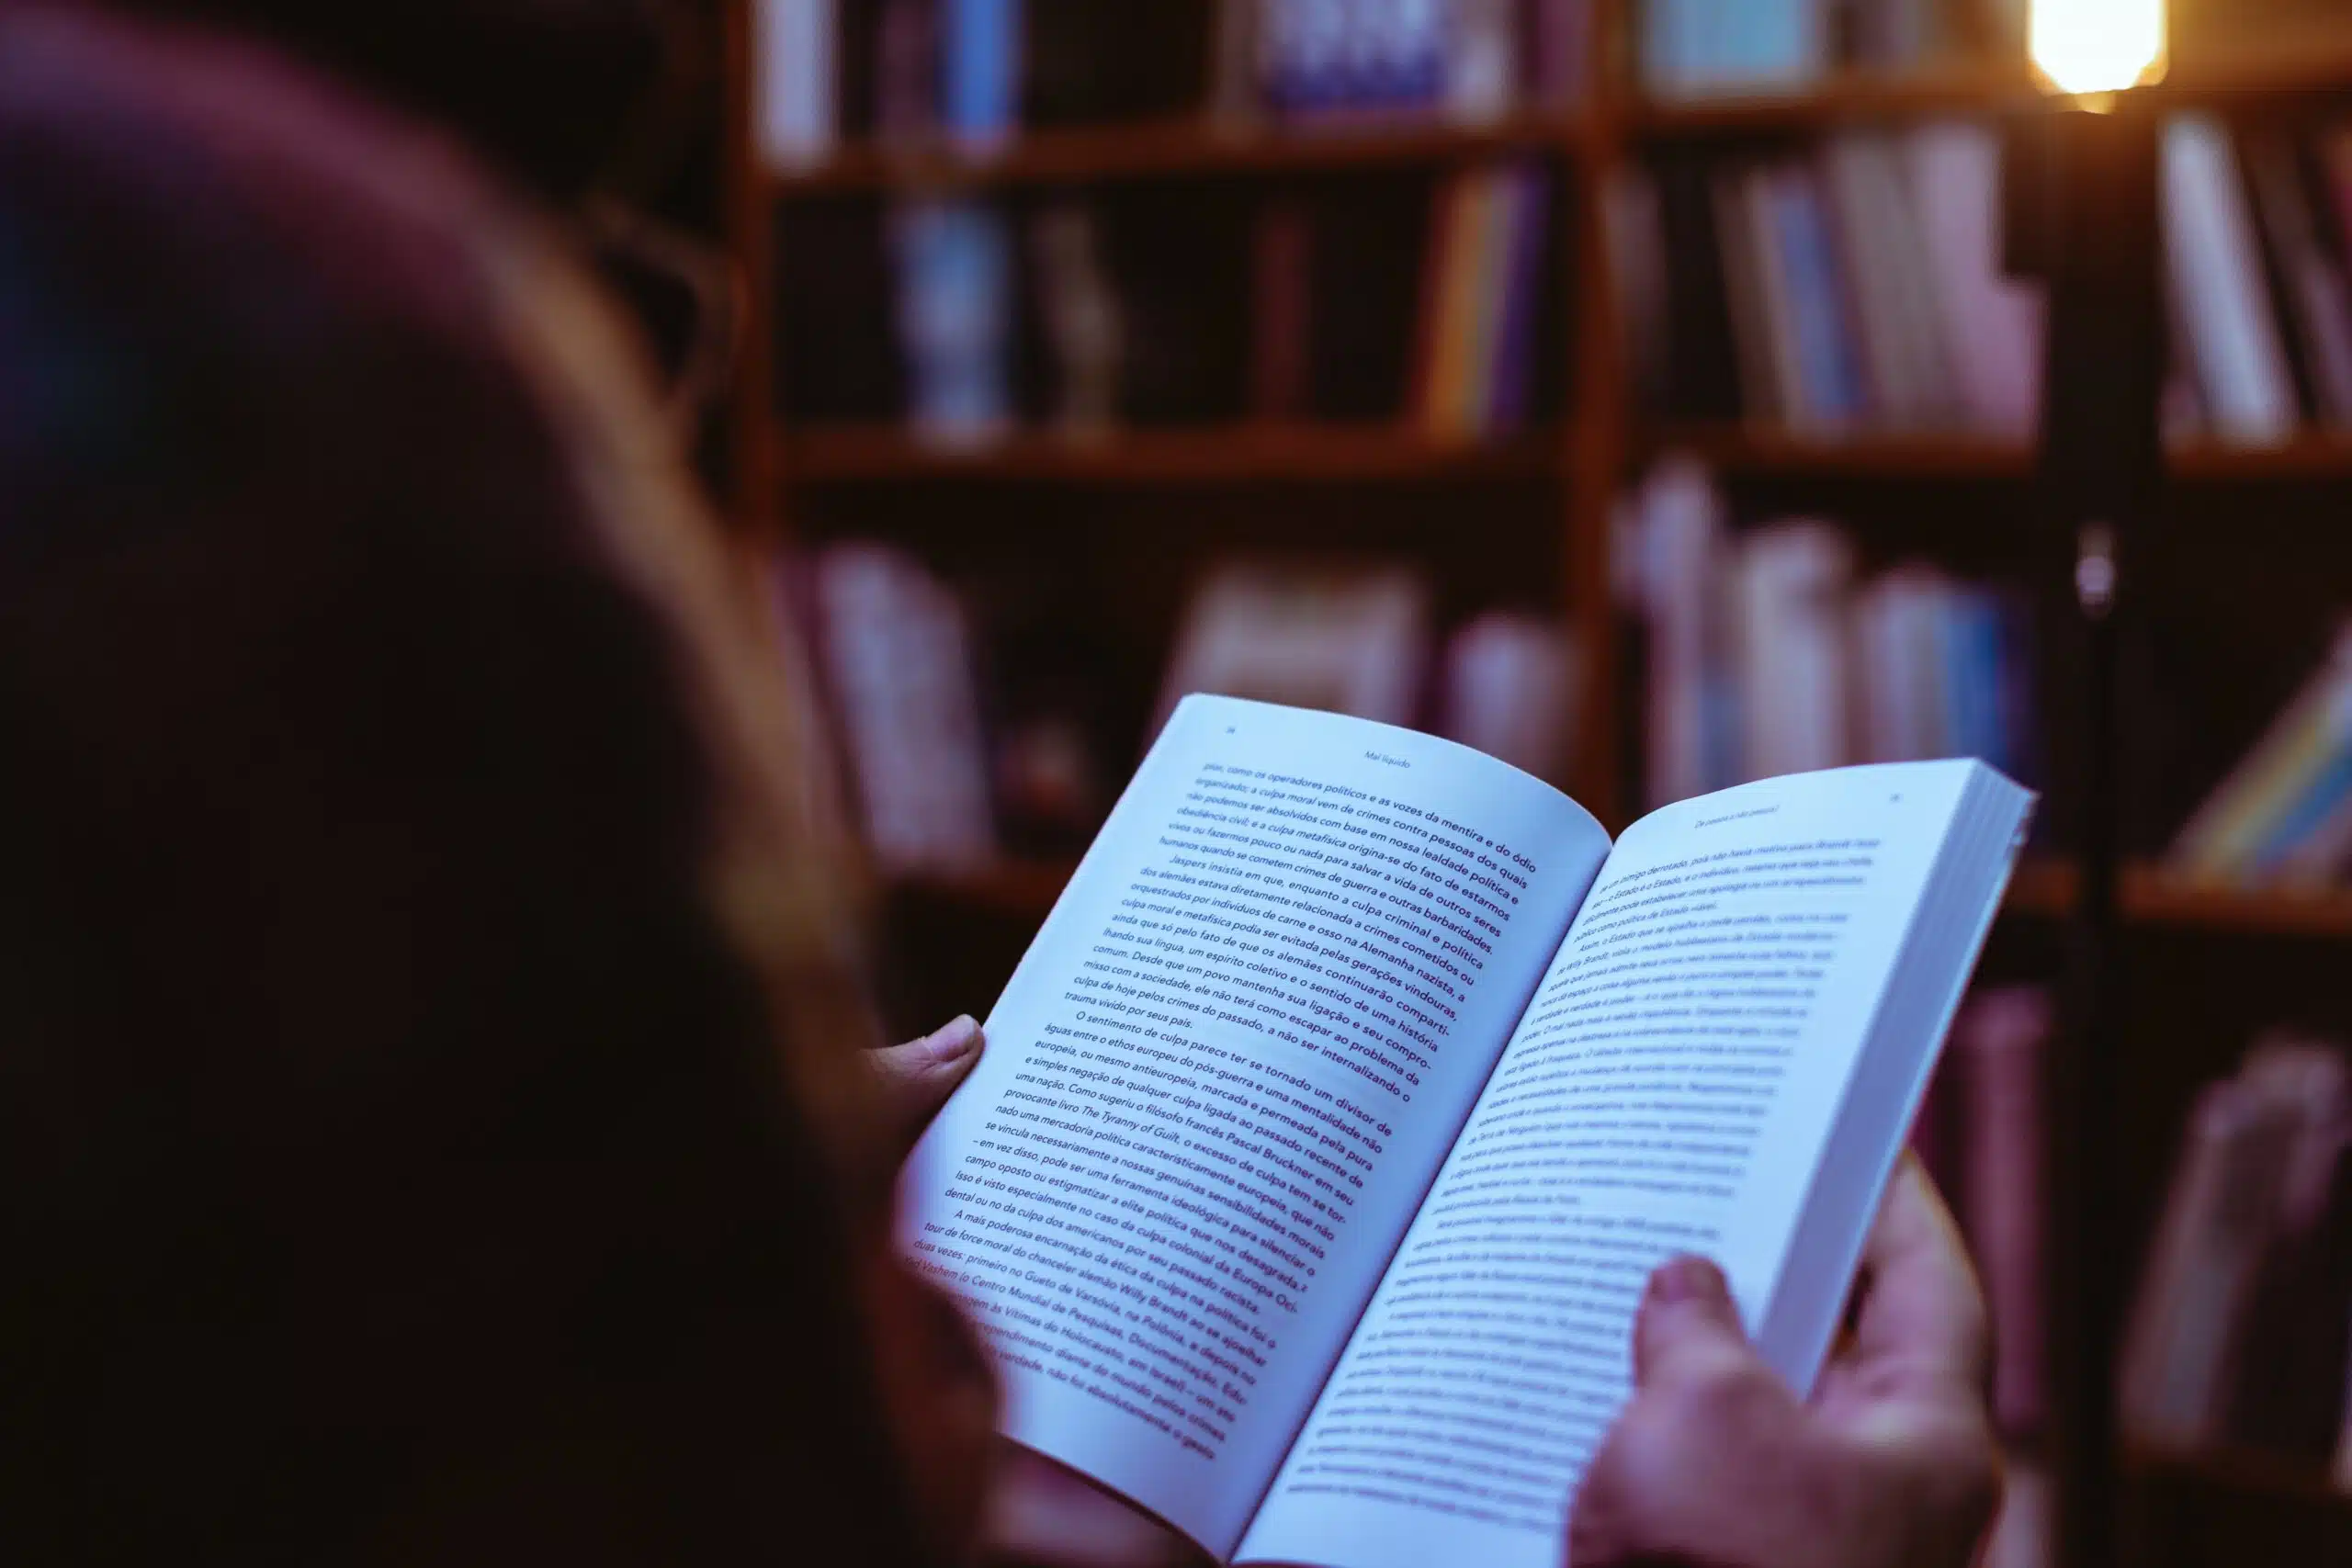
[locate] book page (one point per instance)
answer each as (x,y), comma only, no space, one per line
(1670,1089)
(1223,1077)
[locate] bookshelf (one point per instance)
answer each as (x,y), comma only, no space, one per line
(1182,148)
(1238,454)
(1738,449)
(1126,501)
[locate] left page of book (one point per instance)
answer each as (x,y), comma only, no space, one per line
(1222,1079)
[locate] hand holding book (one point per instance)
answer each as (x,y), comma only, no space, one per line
(1893,1460)
(1334,1122)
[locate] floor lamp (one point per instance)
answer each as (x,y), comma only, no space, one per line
(2081,198)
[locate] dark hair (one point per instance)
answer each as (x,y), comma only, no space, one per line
(394,1160)
(546,87)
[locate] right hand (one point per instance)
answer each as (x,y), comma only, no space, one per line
(1892,1464)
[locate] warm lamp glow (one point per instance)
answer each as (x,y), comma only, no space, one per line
(2098,46)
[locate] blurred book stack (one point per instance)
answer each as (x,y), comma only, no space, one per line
(2285,813)
(1689,47)
(896,656)
(2258,225)
(1770,652)
(1981,1134)
(1336,61)
(1086,315)
(971,73)
(961,750)
(2239,1333)
(1485,277)
(1856,287)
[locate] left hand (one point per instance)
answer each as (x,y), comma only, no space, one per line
(917,1078)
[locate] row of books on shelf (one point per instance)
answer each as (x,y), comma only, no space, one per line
(2239,1334)
(951,769)
(1697,46)
(1767,650)
(1474,60)
(973,73)
(1858,286)
(1855,287)
(2259,234)
(2283,816)
(1424,300)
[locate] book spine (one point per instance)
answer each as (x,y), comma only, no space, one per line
(1514,376)
(984,54)
(2232,334)
(1559,51)
(1860,223)
(1756,375)
(1236,87)
(1818,294)
(2221,837)
(1634,222)
(907,98)
(800,59)
(1442,288)
(2318,800)
(1283,265)
(1992,327)
(1776,299)
(956,318)
(2002,1043)
(1480,60)
(1489,301)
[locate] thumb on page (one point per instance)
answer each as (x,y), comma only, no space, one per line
(1689,1328)
(1710,1453)
(917,1076)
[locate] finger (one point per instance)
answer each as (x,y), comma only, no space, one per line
(1711,1461)
(1922,1312)
(1689,1327)
(917,1078)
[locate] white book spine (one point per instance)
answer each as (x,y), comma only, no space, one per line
(798,52)
(2233,338)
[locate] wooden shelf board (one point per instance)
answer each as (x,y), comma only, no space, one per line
(1176,148)
(2156,896)
(2316,455)
(1856,96)
(1757,449)
(1227,454)
(2302,60)
(1011,888)
(2257,1477)
(2043,889)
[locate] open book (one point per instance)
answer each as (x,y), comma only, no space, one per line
(1329,1131)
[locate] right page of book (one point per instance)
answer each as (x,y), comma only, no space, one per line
(1722,1059)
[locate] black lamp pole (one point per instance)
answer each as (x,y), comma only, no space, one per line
(2082,199)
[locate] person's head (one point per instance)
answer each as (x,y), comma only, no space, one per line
(428,1130)
(550,90)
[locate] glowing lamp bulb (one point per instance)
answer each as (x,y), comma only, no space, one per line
(2084,47)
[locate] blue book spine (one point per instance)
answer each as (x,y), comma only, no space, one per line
(1973,646)
(2310,811)
(1825,349)
(2020,742)
(1514,355)
(984,52)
